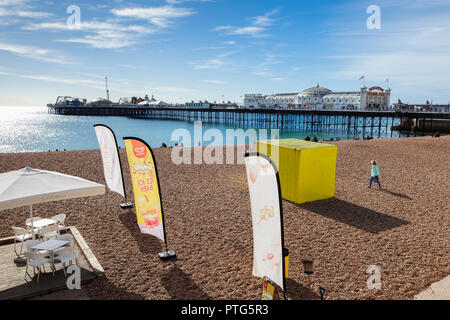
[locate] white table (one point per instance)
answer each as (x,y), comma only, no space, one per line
(51,246)
(41,223)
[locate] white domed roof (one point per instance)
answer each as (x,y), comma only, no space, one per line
(317,89)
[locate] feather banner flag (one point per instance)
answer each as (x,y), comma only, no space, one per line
(147,195)
(112,168)
(267,218)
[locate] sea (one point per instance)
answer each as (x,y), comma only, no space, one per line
(32,129)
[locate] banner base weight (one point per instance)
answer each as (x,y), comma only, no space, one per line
(126,205)
(167,255)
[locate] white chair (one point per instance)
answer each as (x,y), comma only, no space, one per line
(20,234)
(49,232)
(36,230)
(60,218)
(34,219)
(31,243)
(36,260)
(64,255)
(65,237)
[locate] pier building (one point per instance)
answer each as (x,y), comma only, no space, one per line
(374,98)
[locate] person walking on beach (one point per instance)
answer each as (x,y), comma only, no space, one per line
(375,174)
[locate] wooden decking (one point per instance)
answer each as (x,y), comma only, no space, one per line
(12,276)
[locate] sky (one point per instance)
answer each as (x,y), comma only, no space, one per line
(183,50)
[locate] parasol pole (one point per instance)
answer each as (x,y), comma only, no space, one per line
(31,217)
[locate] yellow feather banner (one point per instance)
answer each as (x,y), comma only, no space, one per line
(144,178)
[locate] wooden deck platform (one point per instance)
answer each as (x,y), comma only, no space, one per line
(12,276)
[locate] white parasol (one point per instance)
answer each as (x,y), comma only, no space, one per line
(29,186)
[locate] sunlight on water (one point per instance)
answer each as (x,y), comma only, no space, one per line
(27,129)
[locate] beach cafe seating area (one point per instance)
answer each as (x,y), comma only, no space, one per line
(42,243)
(31,260)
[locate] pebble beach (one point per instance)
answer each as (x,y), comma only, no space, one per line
(404,228)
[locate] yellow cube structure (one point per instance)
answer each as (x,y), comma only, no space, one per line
(307,169)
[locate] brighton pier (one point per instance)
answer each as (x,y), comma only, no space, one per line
(373,123)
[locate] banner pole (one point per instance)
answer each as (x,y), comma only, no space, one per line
(127,204)
(167,254)
(281,222)
(282,233)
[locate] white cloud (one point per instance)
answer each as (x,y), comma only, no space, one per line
(89,26)
(32,14)
(257,29)
(208,48)
(221,28)
(226,54)
(210,64)
(215,81)
(249,31)
(104,40)
(217,62)
(252,31)
(115,34)
(264,68)
(34,53)
(262,73)
(266,19)
(9,9)
(158,16)
(84,82)
(12,2)
(108,35)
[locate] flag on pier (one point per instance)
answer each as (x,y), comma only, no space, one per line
(267,218)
